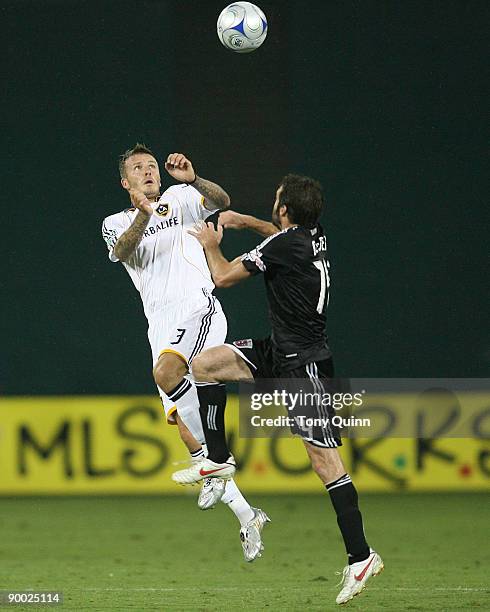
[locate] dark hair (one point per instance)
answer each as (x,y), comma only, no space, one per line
(138,148)
(303,197)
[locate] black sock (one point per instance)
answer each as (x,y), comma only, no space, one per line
(345,502)
(212,403)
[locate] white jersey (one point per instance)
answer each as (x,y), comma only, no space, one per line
(169,265)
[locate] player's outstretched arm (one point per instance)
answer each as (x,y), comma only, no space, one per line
(215,197)
(233,220)
(225,273)
(131,238)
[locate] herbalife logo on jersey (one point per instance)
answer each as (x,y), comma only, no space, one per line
(151,230)
(162,210)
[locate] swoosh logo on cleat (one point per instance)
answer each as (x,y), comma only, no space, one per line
(206,472)
(363,573)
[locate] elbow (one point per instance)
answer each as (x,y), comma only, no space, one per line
(224,201)
(221,282)
(120,254)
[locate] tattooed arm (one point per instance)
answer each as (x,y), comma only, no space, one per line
(127,243)
(215,197)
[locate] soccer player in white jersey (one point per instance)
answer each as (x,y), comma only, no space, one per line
(169,269)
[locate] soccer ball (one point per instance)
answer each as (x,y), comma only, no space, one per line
(242,27)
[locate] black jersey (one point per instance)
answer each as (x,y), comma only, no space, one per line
(296,270)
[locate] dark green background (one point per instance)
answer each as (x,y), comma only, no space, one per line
(381,101)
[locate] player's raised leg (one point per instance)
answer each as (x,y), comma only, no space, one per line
(176,341)
(220,364)
(363,561)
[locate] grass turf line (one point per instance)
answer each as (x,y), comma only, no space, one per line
(162,553)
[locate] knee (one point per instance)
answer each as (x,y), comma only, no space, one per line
(169,371)
(318,464)
(326,463)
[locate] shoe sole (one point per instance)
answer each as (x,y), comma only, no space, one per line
(204,508)
(212,507)
(376,572)
(257,556)
(195,482)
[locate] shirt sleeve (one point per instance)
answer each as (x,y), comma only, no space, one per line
(112,228)
(195,202)
(269,256)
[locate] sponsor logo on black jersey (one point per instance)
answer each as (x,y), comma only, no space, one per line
(248,343)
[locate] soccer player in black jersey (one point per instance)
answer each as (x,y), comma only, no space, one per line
(294,261)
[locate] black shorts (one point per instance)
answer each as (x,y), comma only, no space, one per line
(318,378)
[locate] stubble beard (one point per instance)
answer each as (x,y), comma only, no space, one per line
(152,195)
(275,220)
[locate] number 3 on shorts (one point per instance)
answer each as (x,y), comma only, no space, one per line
(180,335)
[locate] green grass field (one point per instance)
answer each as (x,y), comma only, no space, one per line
(162,553)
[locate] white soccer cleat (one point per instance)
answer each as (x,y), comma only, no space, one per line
(250,535)
(205,469)
(212,491)
(356,575)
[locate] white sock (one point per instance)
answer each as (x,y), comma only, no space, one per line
(197,455)
(233,498)
(184,396)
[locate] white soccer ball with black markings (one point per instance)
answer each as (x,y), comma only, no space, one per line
(242,27)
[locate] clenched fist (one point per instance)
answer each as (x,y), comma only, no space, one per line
(140,201)
(178,166)
(230,219)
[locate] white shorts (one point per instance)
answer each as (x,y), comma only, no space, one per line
(186,329)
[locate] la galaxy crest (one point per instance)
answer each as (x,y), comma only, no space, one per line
(162,209)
